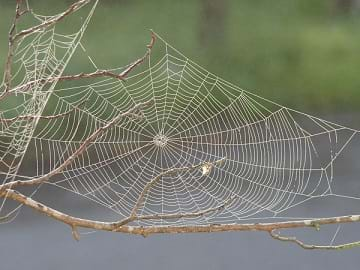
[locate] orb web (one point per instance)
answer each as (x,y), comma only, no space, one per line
(276,158)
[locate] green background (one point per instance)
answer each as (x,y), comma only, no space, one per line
(300,53)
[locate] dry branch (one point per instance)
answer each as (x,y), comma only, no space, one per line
(75,222)
(133,215)
(15,37)
(11,49)
(87,142)
(190,214)
(142,59)
(279,237)
(45,117)
(55,19)
(172,171)
(96,74)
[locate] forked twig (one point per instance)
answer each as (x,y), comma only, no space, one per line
(55,19)
(11,49)
(142,59)
(279,237)
(133,215)
(189,214)
(96,74)
(172,171)
(87,142)
(15,37)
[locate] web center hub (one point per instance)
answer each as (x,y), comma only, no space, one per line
(160,140)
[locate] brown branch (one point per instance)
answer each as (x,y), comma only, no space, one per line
(11,48)
(189,214)
(277,236)
(14,37)
(96,74)
(45,117)
(75,222)
(89,140)
(75,233)
(50,212)
(134,217)
(57,18)
(172,171)
(142,59)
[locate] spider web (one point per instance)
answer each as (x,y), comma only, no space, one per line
(38,57)
(276,158)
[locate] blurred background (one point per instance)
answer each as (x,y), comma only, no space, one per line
(303,54)
(300,53)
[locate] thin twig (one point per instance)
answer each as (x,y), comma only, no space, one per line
(11,48)
(89,140)
(189,214)
(174,215)
(133,215)
(172,171)
(279,237)
(96,74)
(142,59)
(55,19)
(45,117)
(75,233)
(14,37)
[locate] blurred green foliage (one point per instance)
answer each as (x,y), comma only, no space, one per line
(300,53)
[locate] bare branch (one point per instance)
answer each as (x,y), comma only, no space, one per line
(277,236)
(75,233)
(189,214)
(55,19)
(50,212)
(89,140)
(96,74)
(173,171)
(14,37)
(45,117)
(142,59)
(11,47)
(75,222)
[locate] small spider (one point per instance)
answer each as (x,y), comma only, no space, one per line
(206,169)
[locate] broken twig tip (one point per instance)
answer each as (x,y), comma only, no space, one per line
(75,233)
(152,41)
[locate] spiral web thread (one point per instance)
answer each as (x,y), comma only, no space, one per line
(275,157)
